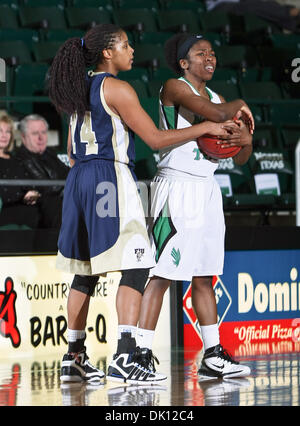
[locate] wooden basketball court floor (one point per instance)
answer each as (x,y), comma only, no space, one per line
(274,381)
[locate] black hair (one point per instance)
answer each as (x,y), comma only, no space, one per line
(67,75)
(174,45)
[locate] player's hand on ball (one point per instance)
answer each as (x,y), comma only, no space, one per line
(246,115)
(243,136)
(220,141)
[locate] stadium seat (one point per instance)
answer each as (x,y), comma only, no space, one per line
(153,5)
(265,90)
(225,74)
(266,137)
(248,74)
(271,183)
(159,37)
(136,73)
(284,113)
(233,179)
(15,52)
(84,18)
(44,51)
(27,35)
(5,88)
(14,227)
(29,80)
(62,35)
(13,3)
(154,87)
(145,168)
(178,20)
(253,25)
(44,3)
(8,17)
(291,90)
(150,105)
(163,74)
(236,56)
(215,22)
(279,59)
(106,4)
(252,201)
(138,20)
(146,158)
(290,136)
(227,89)
(274,171)
(149,55)
(285,41)
(259,113)
(42,17)
(195,6)
(140,88)
(216,39)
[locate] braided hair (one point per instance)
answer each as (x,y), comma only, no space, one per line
(67,75)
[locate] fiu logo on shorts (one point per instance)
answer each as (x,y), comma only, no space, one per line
(139,252)
(8,316)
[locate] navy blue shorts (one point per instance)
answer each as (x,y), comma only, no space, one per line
(103,226)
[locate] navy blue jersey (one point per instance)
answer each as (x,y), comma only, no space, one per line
(101,134)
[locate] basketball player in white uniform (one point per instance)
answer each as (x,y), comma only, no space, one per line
(187,232)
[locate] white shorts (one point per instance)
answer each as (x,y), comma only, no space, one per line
(187,228)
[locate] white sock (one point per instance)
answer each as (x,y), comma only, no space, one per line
(210,335)
(144,338)
(74,335)
(126,329)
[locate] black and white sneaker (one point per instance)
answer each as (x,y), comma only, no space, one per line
(126,368)
(146,358)
(76,368)
(217,363)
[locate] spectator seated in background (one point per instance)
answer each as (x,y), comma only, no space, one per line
(285,16)
(18,202)
(41,162)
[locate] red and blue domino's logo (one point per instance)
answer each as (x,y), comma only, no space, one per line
(223,301)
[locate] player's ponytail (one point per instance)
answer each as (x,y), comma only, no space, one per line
(67,75)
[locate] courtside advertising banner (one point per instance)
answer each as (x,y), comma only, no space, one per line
(258,301)
(33,309)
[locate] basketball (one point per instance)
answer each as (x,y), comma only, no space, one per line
(208,144)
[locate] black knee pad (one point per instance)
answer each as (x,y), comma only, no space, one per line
(135,278)
(85,283)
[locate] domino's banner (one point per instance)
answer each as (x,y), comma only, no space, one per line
(258,302)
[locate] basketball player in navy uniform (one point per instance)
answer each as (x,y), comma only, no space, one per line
(103,226)
(187,234)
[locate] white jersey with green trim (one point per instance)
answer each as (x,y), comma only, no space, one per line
(184,157)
